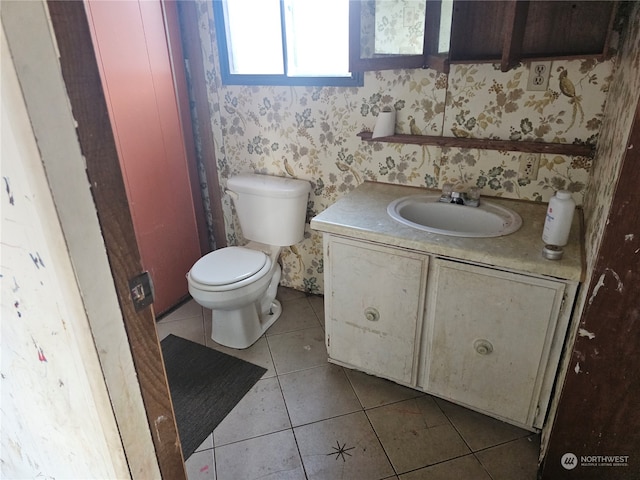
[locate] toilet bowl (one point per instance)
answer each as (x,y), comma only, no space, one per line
(239,284)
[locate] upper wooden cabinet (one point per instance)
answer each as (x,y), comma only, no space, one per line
(508,32)
(504,32)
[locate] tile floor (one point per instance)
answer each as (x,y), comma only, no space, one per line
(308,419)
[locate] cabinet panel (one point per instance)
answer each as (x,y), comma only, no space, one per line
(477,40)
(489,339)
(561,28)
(375,301)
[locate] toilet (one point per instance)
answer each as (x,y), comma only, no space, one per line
(239,284)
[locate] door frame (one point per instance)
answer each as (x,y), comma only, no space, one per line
(192,51)
(95,136)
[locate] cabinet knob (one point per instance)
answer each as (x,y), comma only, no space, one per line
(483,347)
(371,314)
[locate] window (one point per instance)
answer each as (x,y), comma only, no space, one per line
(284,42)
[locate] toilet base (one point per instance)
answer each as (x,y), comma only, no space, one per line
(241,328)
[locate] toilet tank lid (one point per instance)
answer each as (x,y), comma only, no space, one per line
(268,185)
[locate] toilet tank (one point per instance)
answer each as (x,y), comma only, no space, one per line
(271,210)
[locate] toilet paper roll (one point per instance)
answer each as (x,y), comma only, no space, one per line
(385,124)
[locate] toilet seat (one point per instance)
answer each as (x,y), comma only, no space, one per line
(229,268)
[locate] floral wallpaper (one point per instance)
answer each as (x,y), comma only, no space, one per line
(624,95)
(399,26)
(311,133)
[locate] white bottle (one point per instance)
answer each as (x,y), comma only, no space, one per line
(559,217)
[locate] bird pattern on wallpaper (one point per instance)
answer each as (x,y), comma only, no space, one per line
(568,89)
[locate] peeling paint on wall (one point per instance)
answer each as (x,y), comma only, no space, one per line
(600,284)
(584,333)
(620,286)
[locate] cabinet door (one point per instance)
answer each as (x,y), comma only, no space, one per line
(375,298)
(491,332)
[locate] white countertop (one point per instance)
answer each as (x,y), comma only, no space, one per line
(362,214)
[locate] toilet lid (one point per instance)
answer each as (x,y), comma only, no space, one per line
(228,265)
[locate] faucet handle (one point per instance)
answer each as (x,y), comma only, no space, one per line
(473,196)
(447,188)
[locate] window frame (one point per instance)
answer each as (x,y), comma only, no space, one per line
(430,58)
(355,80)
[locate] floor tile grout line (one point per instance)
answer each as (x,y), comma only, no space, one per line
(482,465)
(453,425)
(393,467)
(284,401)
(268,335)
(473,452)
(506,442)
(299,370)
(484,448)
(441,462)
(250,438)
(353,388)
(181,319)
(364,410)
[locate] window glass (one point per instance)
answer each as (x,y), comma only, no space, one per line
(317,38)
(254,41)
(284,42)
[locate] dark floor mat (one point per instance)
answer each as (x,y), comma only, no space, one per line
(205,385)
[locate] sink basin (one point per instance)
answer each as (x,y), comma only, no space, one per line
(425,212)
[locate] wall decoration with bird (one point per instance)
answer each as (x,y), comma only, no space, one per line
(568,89)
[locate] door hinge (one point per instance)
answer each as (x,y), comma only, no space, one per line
(141,290)
(328,341)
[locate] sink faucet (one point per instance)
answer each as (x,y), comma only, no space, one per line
(470,198)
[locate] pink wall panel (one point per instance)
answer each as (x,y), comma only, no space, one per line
(132,50)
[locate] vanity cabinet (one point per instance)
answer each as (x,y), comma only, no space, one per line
(374,302)
(486,338)
(481,322)
(489,338)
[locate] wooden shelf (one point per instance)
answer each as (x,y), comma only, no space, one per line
(486,144)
